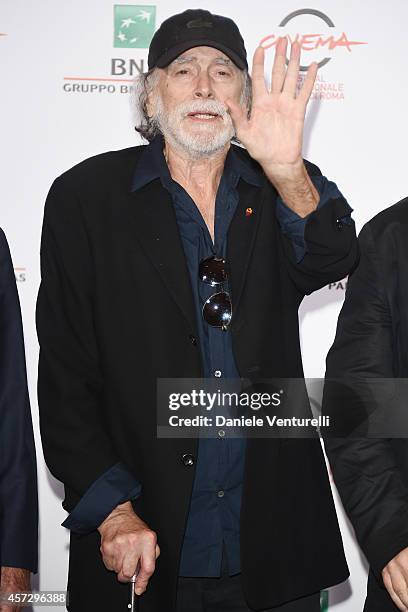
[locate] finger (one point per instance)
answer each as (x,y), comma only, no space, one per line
(258,73)
(279,65)
(157,551)
(108,558)
(308,84)
(389,586)
(147,567)
(292,73)
(129,567)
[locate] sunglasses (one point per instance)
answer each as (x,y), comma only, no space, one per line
(217,309)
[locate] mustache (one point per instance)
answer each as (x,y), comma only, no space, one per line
(206,106)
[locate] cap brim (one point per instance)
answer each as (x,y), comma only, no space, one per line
(175,51)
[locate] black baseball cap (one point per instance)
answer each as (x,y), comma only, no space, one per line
(196,28)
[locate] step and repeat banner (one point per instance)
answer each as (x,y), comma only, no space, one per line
(66,74)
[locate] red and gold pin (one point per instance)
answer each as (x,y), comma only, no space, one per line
(248,212)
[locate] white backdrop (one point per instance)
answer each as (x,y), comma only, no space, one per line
(64,97)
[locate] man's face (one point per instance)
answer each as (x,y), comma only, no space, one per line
(188,101)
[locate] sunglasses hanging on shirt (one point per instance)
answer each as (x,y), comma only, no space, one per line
(217,309)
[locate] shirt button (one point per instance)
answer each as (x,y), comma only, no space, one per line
(221,433)
(193,339)
(339,224)
(217,373)
(187,459)
(220,493)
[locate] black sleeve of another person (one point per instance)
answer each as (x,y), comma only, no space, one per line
(18,474)
(365,470)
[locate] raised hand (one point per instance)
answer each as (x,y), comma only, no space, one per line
(273,134)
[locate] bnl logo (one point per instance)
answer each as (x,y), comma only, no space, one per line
(134,25)
(324,601)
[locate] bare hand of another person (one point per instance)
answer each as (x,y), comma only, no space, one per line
(14,580)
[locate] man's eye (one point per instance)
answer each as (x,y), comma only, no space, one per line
(223,73)
(182,71)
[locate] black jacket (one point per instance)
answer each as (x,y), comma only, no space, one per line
(115,312)
(372,343)
(18,474)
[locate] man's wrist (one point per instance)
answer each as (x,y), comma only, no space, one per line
(121,510)
(294,187)
(281,174)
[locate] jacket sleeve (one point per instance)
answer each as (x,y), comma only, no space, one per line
(77,448)
(365,469)
(293,225)
(18,473)
(327,248)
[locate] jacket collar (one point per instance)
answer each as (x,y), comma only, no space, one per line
(152,165)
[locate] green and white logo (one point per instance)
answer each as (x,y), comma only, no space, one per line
(134,25)
(324,601)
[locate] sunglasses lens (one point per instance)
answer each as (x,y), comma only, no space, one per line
(217,310)
(213,271)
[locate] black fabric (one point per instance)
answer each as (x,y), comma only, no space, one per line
(225,594)
(196,28)
(18,473)
(115,311)
(372,342)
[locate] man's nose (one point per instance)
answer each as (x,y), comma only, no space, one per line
(203,87)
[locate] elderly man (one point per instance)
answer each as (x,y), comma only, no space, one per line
(130,240)
(18,474)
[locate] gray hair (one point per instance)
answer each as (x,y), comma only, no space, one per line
(145,83)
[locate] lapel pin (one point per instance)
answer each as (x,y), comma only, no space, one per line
(248,212)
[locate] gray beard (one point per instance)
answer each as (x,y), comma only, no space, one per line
(204,142)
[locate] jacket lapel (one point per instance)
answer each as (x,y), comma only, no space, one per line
(155,225)
(241,237)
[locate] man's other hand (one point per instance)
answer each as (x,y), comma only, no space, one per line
(395,577)
(14,580)
(128,545)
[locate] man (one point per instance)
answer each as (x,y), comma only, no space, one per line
(367,368)
(18,475)
(130,240)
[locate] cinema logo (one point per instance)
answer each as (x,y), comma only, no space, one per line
(133,28)
(20,274)
(321,47)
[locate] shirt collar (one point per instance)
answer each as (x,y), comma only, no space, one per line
(152,165)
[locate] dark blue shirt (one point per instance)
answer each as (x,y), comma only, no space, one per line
(214,511)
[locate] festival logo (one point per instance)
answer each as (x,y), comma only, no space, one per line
(321,40)
(329,38)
